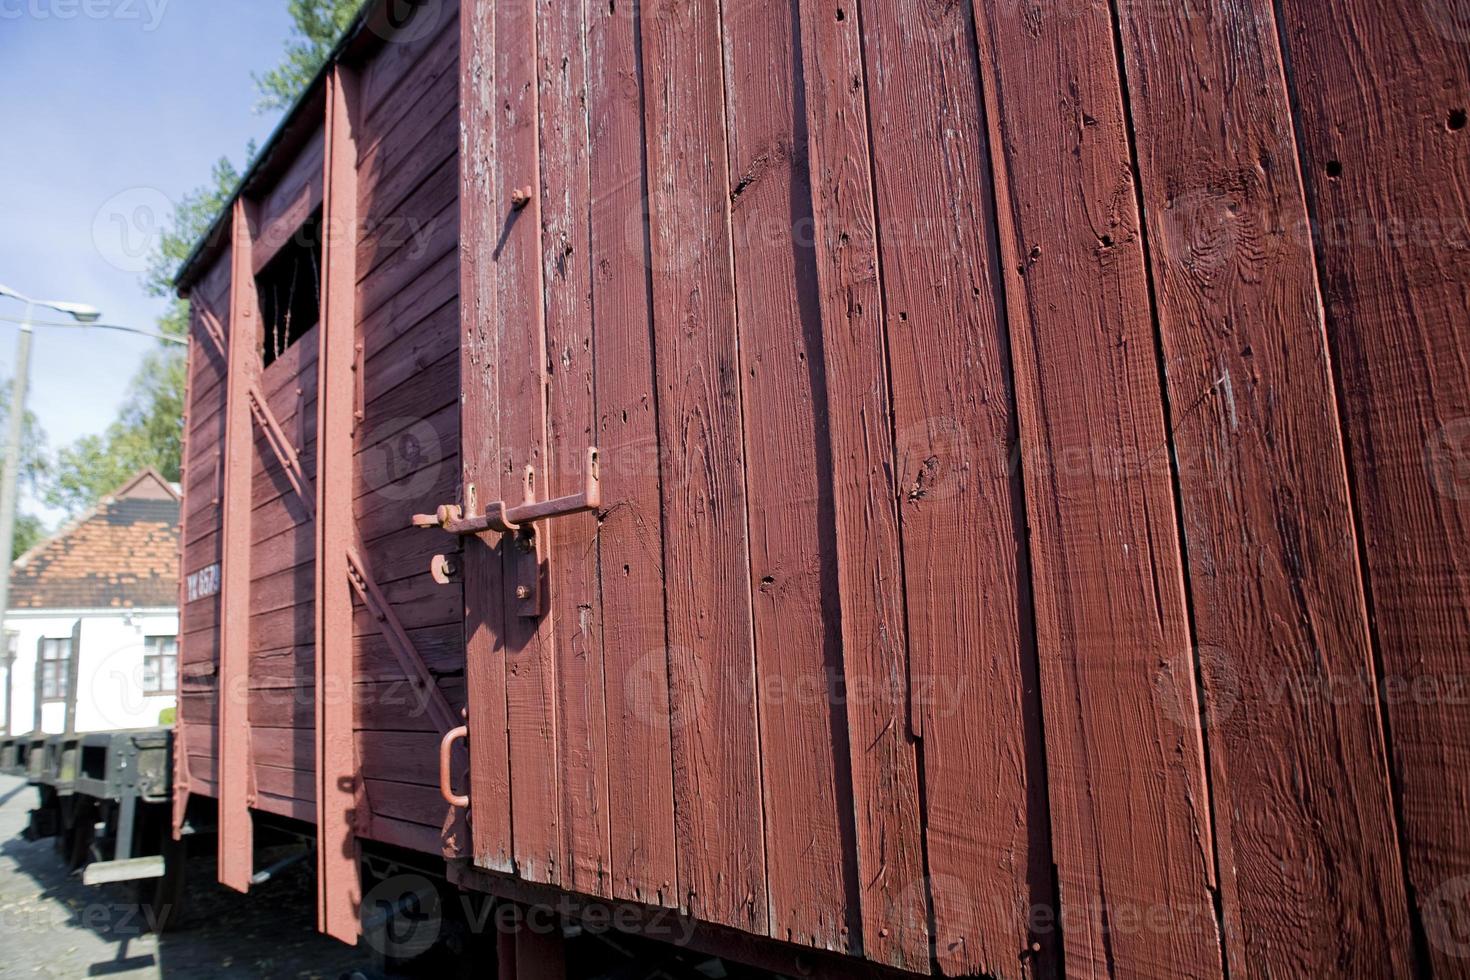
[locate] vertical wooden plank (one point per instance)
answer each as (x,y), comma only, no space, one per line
(180,758)
(566,254)
(1382,92)
(788,474)
(718,806)
(883,753)
(339,888)
(969,631)
(1302,808)
(480,201)
(539,955)
(1113,641)
(236,838)
(634,644)
(530,658)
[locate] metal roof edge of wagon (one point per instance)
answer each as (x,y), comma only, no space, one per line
(286,138)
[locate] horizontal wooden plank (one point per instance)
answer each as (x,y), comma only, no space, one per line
(404,266)
(394,80)
(293,784)
(407,224)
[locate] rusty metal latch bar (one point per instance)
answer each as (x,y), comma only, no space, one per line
(517,523)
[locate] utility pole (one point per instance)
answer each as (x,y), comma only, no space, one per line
(10,474)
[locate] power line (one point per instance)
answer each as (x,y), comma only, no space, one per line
(98,326)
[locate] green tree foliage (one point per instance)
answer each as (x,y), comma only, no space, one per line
(149,430)
(318,25)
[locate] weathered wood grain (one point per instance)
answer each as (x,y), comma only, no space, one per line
(336,786)
(482,202)
(530,655)
(1310,877)
(715,736)
(629,540)
(808,822)
(1381,92)
(236,837)
(1121,710)
(883,767)
(971,653)
(575,606)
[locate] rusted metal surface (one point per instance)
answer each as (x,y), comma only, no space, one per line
(339,785)
(446,754)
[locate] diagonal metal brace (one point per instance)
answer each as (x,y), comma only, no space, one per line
(214,333)
(403,649)
(281,447)
(358,576)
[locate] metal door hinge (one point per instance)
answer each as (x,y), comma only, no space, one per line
(517,524)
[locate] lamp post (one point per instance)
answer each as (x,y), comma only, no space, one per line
(10,475)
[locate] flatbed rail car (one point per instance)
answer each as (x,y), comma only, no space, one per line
(945,486)
(104,798)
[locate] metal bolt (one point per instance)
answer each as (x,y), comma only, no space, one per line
(520,197)
(523,592)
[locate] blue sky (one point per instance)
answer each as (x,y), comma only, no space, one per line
(111,109)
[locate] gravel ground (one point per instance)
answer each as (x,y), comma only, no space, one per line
(53,926)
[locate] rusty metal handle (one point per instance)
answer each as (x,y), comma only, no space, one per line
(445,748)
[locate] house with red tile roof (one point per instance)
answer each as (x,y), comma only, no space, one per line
(94,611)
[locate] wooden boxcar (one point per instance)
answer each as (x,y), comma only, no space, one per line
(968,488)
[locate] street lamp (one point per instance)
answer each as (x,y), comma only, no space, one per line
(80,312)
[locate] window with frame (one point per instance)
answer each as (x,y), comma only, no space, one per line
(54,661)
(160,664)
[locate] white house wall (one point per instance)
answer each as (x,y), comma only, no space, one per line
(109,672)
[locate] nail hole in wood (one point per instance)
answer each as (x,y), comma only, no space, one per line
(1334,169)
(1456,122)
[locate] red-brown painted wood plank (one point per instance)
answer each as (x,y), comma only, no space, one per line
(716,743)
(530,658)
(883,767)
(236,837)
(1381,92)
(482,202)
(811,885)
(575,613)
(180,755)
(339,888)
(631,578)
(971,653)
(540,954)
(283,209)
(1303,814)
(1113,639)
